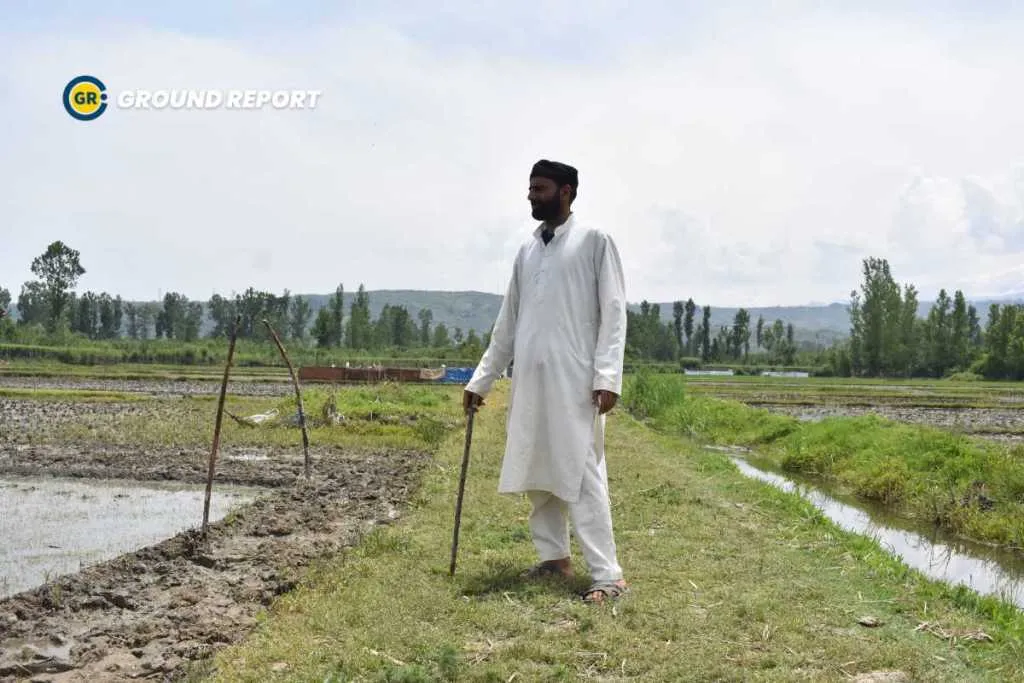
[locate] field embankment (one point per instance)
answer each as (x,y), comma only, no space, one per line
(967,485)
(732,580)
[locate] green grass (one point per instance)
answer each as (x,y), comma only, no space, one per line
(873,402)
(866,382)
(259,352)
(732,580)
(381,415)
(966,485)
(367,400)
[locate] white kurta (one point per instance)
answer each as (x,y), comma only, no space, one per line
(563,321)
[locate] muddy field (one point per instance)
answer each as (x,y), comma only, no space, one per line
(990,411)
(990,423)
(157,612)
(150,387)
(29,447)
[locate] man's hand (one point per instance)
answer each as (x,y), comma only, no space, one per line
(471,401)
(605,400)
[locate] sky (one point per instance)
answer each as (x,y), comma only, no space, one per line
(742,154)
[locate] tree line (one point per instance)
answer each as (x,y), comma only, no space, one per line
(889,339)
(50,304)
(684,337)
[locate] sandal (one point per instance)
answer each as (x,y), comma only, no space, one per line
(610,589)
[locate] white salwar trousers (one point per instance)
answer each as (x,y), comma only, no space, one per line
(591,517)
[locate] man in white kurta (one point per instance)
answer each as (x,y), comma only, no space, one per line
(563,321)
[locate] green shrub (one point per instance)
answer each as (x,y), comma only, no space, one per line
(649,395)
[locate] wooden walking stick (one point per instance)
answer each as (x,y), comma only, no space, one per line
(462,488)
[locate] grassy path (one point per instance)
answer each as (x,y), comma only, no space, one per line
(731,579)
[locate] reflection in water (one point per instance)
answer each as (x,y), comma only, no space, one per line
(978,567)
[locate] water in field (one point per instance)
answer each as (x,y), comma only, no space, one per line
(52,527)
(936,554)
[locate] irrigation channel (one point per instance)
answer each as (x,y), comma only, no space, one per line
(937,554)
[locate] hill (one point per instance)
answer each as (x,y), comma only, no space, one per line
(823,324)
(466,310)
(474,310)
(477,310)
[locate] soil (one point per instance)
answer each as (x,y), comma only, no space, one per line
(236,387)
(161,611)
(989,423)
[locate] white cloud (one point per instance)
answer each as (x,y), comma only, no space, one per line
(751,160)
(963,233)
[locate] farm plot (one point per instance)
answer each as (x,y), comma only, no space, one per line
(161,610)
(994,411)
(185,386)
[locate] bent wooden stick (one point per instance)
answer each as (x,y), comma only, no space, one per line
(220,419)
(298,393)
(462,488)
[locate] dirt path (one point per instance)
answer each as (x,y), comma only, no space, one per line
(151,613)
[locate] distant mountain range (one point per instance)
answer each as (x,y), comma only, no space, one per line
(477,310)
(824,323)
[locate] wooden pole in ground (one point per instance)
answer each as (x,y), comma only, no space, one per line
(298,394)
(217,424)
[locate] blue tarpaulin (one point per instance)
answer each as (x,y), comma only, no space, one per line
(457,375)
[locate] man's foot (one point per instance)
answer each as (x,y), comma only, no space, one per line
(600,591)
(560,568)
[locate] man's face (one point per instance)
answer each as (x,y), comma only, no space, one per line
(545,199)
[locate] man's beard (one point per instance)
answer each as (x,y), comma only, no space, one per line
(549,210)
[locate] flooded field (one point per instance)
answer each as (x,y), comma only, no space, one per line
(105,573)
(52,527)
